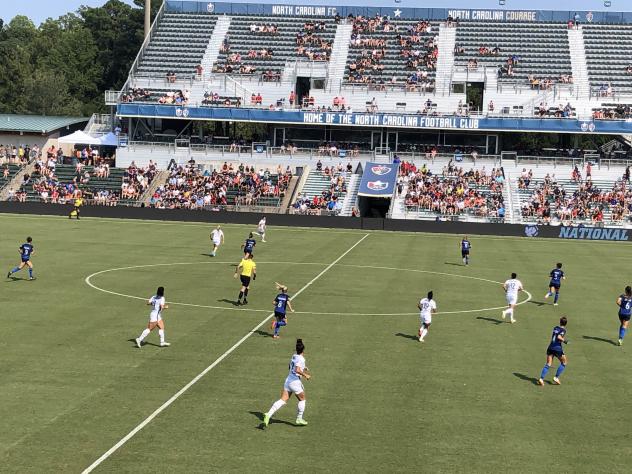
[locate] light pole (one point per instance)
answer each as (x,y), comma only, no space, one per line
(147,17)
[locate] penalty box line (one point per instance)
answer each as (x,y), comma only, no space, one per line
(217,361)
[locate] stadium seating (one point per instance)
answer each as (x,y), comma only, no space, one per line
(177,45)
(102,190)
(394,64)
(13,169)
(282,44)
(542,48)
(608,54)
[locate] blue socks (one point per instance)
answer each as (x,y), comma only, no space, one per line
(15,270)
(622,331)
(557,295)
(545,370)
(560,369)
(30,272)
(277,327)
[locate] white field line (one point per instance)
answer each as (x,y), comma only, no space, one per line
(88,281)
(217,361)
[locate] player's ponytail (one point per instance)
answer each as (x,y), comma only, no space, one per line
(628,290)
(160,292)
(300,347)
(280,287)
(430,294)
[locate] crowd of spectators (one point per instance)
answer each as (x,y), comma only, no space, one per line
(547,83)
(330,199)
(620,111)
(18,154)
(454,192)
(312,46)
(550,200)
(213,98)
(560,111)
(189,187)
(136,94)
(264,29)
(85,181)
(180,97)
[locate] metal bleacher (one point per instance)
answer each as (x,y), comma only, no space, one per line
(608,53)
(318,182)
(13,170)
(543,48)
(177,45)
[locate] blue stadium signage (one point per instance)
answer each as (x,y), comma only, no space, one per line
(593,233)
(408,121)
(306,9)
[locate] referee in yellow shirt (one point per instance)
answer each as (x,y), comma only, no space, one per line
(246,270)
(76,205)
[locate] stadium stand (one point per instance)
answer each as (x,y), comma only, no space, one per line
(324,190)
(189,187)
(257,44)
(177,45)
(100,185)
(517,50)
(609,58)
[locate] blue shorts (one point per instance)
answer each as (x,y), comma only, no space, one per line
(554,285)
(624,317)
(555,352)
(26,260)
(465,253)
(279,316)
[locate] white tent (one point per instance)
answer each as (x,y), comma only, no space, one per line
(80,138)
(109,140)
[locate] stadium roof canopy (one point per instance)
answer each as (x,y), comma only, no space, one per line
(36,123)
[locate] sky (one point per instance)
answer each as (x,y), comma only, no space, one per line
(39,10)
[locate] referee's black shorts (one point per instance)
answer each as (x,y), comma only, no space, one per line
(245,280)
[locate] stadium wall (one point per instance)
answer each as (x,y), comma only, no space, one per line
(470,228)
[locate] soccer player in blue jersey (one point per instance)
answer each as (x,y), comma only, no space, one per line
(557,275)
(625,310)
(281,305)
(26,252)
(249,245)
(555,350)
(465,250)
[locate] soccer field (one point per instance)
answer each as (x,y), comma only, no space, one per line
(74,384)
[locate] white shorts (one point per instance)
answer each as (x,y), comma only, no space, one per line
(154,317)
(512,299)
(427,320)
(294,386)
(217,242)
(261,230)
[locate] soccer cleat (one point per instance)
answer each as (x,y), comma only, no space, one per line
(9,275)
(264,241)
(139,344)
(421,339)
(300,422)
(620,342)
(266,420)
(31,278)
(245,301)
(275,337)
(512,320)
(165,344)
(554,304)
(541,382)
(556,381)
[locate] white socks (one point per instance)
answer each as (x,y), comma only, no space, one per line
(276,406)
(301,408)
(424,331)
(161,333)
(144,334)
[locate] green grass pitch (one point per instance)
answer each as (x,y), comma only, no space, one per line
(73,384)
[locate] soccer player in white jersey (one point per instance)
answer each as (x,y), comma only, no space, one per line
(217,236)
(293,385)
(427,306)
(158,304)
(261,229)
(512,287)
